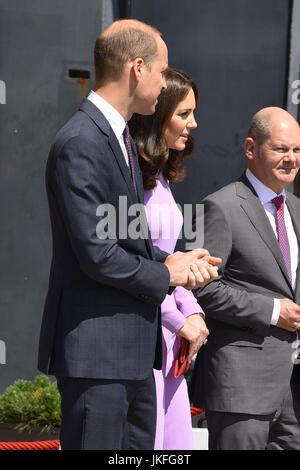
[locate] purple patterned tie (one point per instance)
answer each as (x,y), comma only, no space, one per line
(282,233)
(127,142)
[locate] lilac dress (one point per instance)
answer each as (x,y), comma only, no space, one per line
(174,426)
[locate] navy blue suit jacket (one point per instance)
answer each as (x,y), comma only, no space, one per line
(101,316)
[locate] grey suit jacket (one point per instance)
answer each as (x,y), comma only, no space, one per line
(246,365)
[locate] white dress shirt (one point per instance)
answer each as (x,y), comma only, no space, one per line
(116,121)
(266,195)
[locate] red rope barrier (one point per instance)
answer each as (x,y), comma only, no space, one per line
(38,445)
(196,411)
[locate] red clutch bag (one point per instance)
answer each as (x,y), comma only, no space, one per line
(181,365)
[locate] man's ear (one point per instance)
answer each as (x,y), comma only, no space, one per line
(137,67)
(249,148)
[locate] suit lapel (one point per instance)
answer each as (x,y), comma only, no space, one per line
(140,194)
(293,213)
(296,224)
(115,146)
(138,174)
(95,114)
(254,210)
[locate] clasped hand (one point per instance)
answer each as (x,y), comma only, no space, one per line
(192,269)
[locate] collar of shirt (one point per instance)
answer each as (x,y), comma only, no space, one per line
(114,118)
(116,121)
(264,193)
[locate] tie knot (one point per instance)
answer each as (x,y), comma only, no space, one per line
(278,201)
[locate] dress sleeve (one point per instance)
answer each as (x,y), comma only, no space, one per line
(177,307)
(171,317)
(186,302)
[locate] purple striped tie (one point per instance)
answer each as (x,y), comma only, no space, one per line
(282,233)
(127,142)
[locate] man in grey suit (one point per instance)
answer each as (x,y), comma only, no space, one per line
(246,376)
(101,329)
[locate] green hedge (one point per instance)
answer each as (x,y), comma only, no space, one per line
(31,404)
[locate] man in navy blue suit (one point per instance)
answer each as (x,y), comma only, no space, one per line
(100,333)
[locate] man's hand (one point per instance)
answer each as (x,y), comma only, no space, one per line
(195,332)
(289,317)
(193,269)
(202,272)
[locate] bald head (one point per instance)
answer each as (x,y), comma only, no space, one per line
(263,122)
(121,25)
(120,43)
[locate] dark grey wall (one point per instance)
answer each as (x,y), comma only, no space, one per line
(237,52)
(39,42)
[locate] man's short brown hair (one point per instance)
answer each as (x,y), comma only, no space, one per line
(120,43)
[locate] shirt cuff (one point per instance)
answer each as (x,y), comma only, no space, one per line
(276,312)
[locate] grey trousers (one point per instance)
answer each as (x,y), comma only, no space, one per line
(238,431)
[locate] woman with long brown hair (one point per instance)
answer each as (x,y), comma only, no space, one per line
(163,143)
